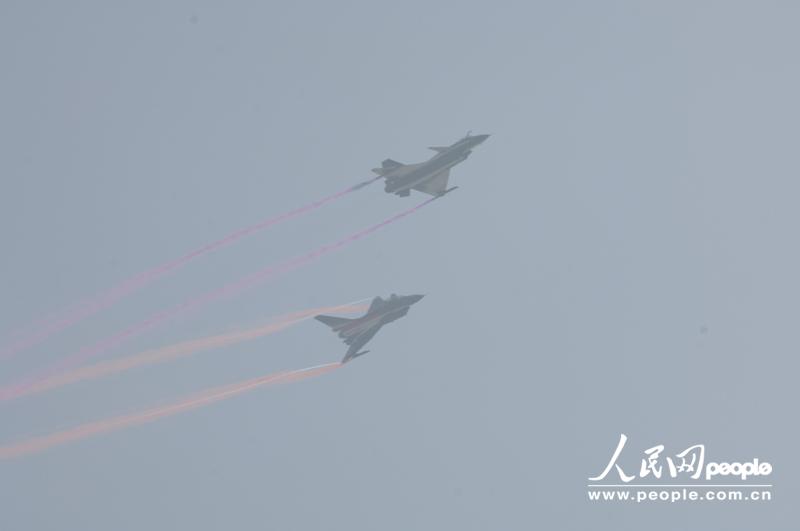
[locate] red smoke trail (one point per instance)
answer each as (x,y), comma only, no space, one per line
(15,390)
(179,350)
(104,300)
(211,396)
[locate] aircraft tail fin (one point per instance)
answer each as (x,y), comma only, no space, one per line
(334,322)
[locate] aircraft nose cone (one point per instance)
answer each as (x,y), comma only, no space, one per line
(415,298)
(481,138)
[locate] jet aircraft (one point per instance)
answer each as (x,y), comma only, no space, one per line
(431,176)
(357,332)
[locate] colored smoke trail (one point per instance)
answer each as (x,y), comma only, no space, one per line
(15,390)
(39,444)
(179,350)
(106,299)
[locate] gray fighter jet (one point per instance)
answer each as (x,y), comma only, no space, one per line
(431,176)
(357,332)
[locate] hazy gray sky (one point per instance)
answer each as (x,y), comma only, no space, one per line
(620,257)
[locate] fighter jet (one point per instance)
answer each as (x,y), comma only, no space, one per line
(431,176)
(357,332)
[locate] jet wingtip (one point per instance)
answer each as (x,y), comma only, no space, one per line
(446,192)
(347,359)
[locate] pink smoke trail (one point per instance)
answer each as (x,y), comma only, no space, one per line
(106,299)
(180,350)
(15,390)
(211,396)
